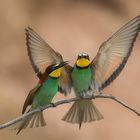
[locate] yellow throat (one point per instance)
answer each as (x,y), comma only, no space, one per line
(56,73)
(82,62)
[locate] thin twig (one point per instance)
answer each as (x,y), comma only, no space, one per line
(16,120)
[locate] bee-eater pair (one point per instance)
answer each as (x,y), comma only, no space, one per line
(85,77)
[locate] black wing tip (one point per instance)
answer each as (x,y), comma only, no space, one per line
(28,28)
(23,110)
(27,34)
(28,31)
(136,18)
(80,124)
(18,132)
(30,34)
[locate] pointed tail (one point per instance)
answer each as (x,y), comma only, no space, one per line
(35,120)
(82,111)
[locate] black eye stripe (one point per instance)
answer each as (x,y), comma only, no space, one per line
(86,57)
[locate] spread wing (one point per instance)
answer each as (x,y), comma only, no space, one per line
(114,53)
(42,55)
(65,81)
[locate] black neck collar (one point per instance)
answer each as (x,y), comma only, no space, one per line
(53,77)
(82,67)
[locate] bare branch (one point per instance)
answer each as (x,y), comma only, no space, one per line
(16,120)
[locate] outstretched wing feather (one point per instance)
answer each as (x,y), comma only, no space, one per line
(114,53)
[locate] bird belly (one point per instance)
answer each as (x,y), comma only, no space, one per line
(45,94)
(81,80)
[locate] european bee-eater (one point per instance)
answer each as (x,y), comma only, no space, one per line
(42,55)
(41,95)
(104,68)
(49,67)
(82,77)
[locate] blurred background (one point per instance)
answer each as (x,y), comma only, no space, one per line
(70,27)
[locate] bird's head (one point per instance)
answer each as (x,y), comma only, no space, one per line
(83,60)
(54,71)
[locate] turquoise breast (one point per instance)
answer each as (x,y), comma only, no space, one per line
(45,93)
(81,79)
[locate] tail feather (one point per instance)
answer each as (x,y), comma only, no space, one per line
(37,124)
(42,120)
(35,120)
(30,123)
(82,111)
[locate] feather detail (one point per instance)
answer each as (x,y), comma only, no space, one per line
(35,120)
(42,56)
(114,53)
(82,111)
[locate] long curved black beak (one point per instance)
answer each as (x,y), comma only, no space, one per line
(62,64)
